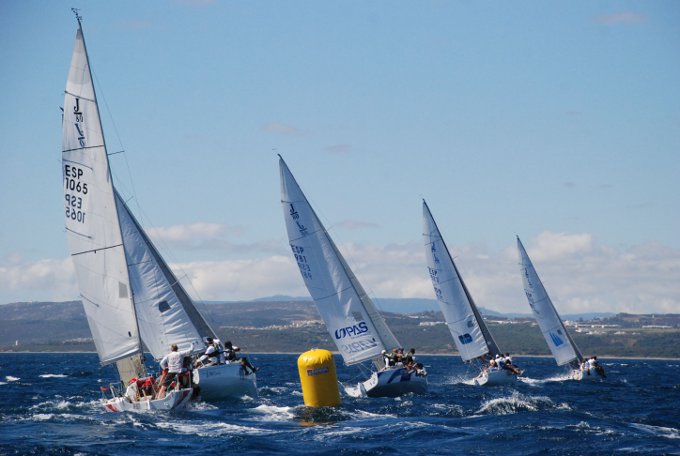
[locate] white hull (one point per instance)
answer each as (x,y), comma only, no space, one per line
(583,375)
(224,381)
(393,382)
(173,400)
(495,377)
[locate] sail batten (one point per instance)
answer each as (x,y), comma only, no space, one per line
(352,320)
(470,334)
(552,327)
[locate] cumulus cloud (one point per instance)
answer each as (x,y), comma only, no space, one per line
(49,280)
(580,274)
(549,245)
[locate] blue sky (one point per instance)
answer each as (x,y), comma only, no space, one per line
(556,122)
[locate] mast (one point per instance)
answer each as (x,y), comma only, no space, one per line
(92,223)
(554,331)
(351,318)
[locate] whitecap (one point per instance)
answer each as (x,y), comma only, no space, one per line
(660,431)
(352,391)
(518,402)
(9,378)
(3,383)
(274,413)
(211,430)
(54,376)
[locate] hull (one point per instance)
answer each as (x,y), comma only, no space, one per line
(585,375)
(174,400)
(393,382)
(495,377)
(224,381)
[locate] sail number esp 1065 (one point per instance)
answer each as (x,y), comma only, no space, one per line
(74,190)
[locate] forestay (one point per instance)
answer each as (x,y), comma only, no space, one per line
(351,318)
(165,313)
(92,228)
(560,343)
(469,331)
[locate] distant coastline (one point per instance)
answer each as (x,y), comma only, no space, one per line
(517,355)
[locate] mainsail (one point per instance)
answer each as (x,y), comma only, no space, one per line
(559,341)
(351,318)
(165,312)
(467,327)
(129,293)
(95,240)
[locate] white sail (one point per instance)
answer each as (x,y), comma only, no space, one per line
(95,240)
(352,320)
(467,327)
(560,343)
(165,313)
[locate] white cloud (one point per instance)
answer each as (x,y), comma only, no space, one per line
(579,273)
(550,246)
(49,280)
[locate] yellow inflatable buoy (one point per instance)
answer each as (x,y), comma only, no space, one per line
(318,378)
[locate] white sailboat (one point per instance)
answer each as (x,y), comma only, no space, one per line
(129,294)
(561,345)
(470,334)
(352,320)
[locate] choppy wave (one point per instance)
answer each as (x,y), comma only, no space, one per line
(518,402)
(545,413)
(660,431)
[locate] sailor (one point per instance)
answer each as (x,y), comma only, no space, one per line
(594,364)
(211,355)
(220,351)
(230,355)
(174,364)
(132,391)
(388,358)
(410,357)
(511,367)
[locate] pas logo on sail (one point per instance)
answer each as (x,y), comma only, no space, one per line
(351,331)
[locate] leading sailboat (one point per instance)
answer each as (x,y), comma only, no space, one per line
(473,339)
(130,296)
(352,320)
(561,345)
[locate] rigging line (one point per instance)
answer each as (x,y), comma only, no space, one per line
(96,250)
(81,148)
(102,97)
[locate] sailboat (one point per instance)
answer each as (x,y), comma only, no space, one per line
(352,319)
(561,345)
(131,298)
(472,337)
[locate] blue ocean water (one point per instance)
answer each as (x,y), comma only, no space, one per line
(49,405)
